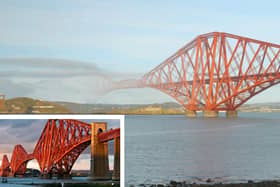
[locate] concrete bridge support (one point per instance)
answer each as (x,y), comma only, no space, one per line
(99,166)
(64,176)
(231,114)
(45,176)
(190,113)
(116,172)
(210,113)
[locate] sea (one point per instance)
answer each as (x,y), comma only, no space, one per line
(161,148)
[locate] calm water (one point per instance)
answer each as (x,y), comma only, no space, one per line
(163,148)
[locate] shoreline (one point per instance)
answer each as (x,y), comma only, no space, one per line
(65,183)
(212,183)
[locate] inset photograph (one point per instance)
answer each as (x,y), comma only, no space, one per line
(60,150)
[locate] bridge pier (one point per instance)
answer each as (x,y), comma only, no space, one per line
(190,113)
(210,113)
(64,176)
(116,172)
(45,176)
(231,114)
(99,166)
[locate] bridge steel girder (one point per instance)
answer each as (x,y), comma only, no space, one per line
(109,135)
(217,71)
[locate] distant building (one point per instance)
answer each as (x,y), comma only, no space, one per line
(46,106)
(153,109)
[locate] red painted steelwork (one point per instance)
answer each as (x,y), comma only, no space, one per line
(19,160)
(60,144)
(4,172)
(109,135)
(217,71)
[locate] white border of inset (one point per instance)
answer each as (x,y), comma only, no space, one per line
(82,116)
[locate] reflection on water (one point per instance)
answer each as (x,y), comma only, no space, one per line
(163,148)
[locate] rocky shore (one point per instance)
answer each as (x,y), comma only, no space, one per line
(211,183)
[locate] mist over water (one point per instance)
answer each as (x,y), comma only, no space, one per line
(57,79)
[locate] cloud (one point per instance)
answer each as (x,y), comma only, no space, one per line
(18,132)
(21,130)
(56,79)
(135,96)
(48,68)
(136,43)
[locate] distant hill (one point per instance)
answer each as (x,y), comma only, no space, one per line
(260,107)
(33,106)
(23,105)
(157,108)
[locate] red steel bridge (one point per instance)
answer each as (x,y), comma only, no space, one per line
(215,72)
(59,146)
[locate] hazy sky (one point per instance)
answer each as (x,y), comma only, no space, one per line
(123,37)
(14,132)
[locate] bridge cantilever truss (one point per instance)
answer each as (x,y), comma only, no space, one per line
(216,71)
(60,144)
(4,170)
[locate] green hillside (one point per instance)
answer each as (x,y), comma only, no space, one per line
(23,105)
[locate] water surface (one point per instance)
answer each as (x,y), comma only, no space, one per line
(160,148)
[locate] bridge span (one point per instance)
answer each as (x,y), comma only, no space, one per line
(59,146)
(215,72)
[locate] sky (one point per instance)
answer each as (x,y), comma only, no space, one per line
(112,40)
(13,132)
